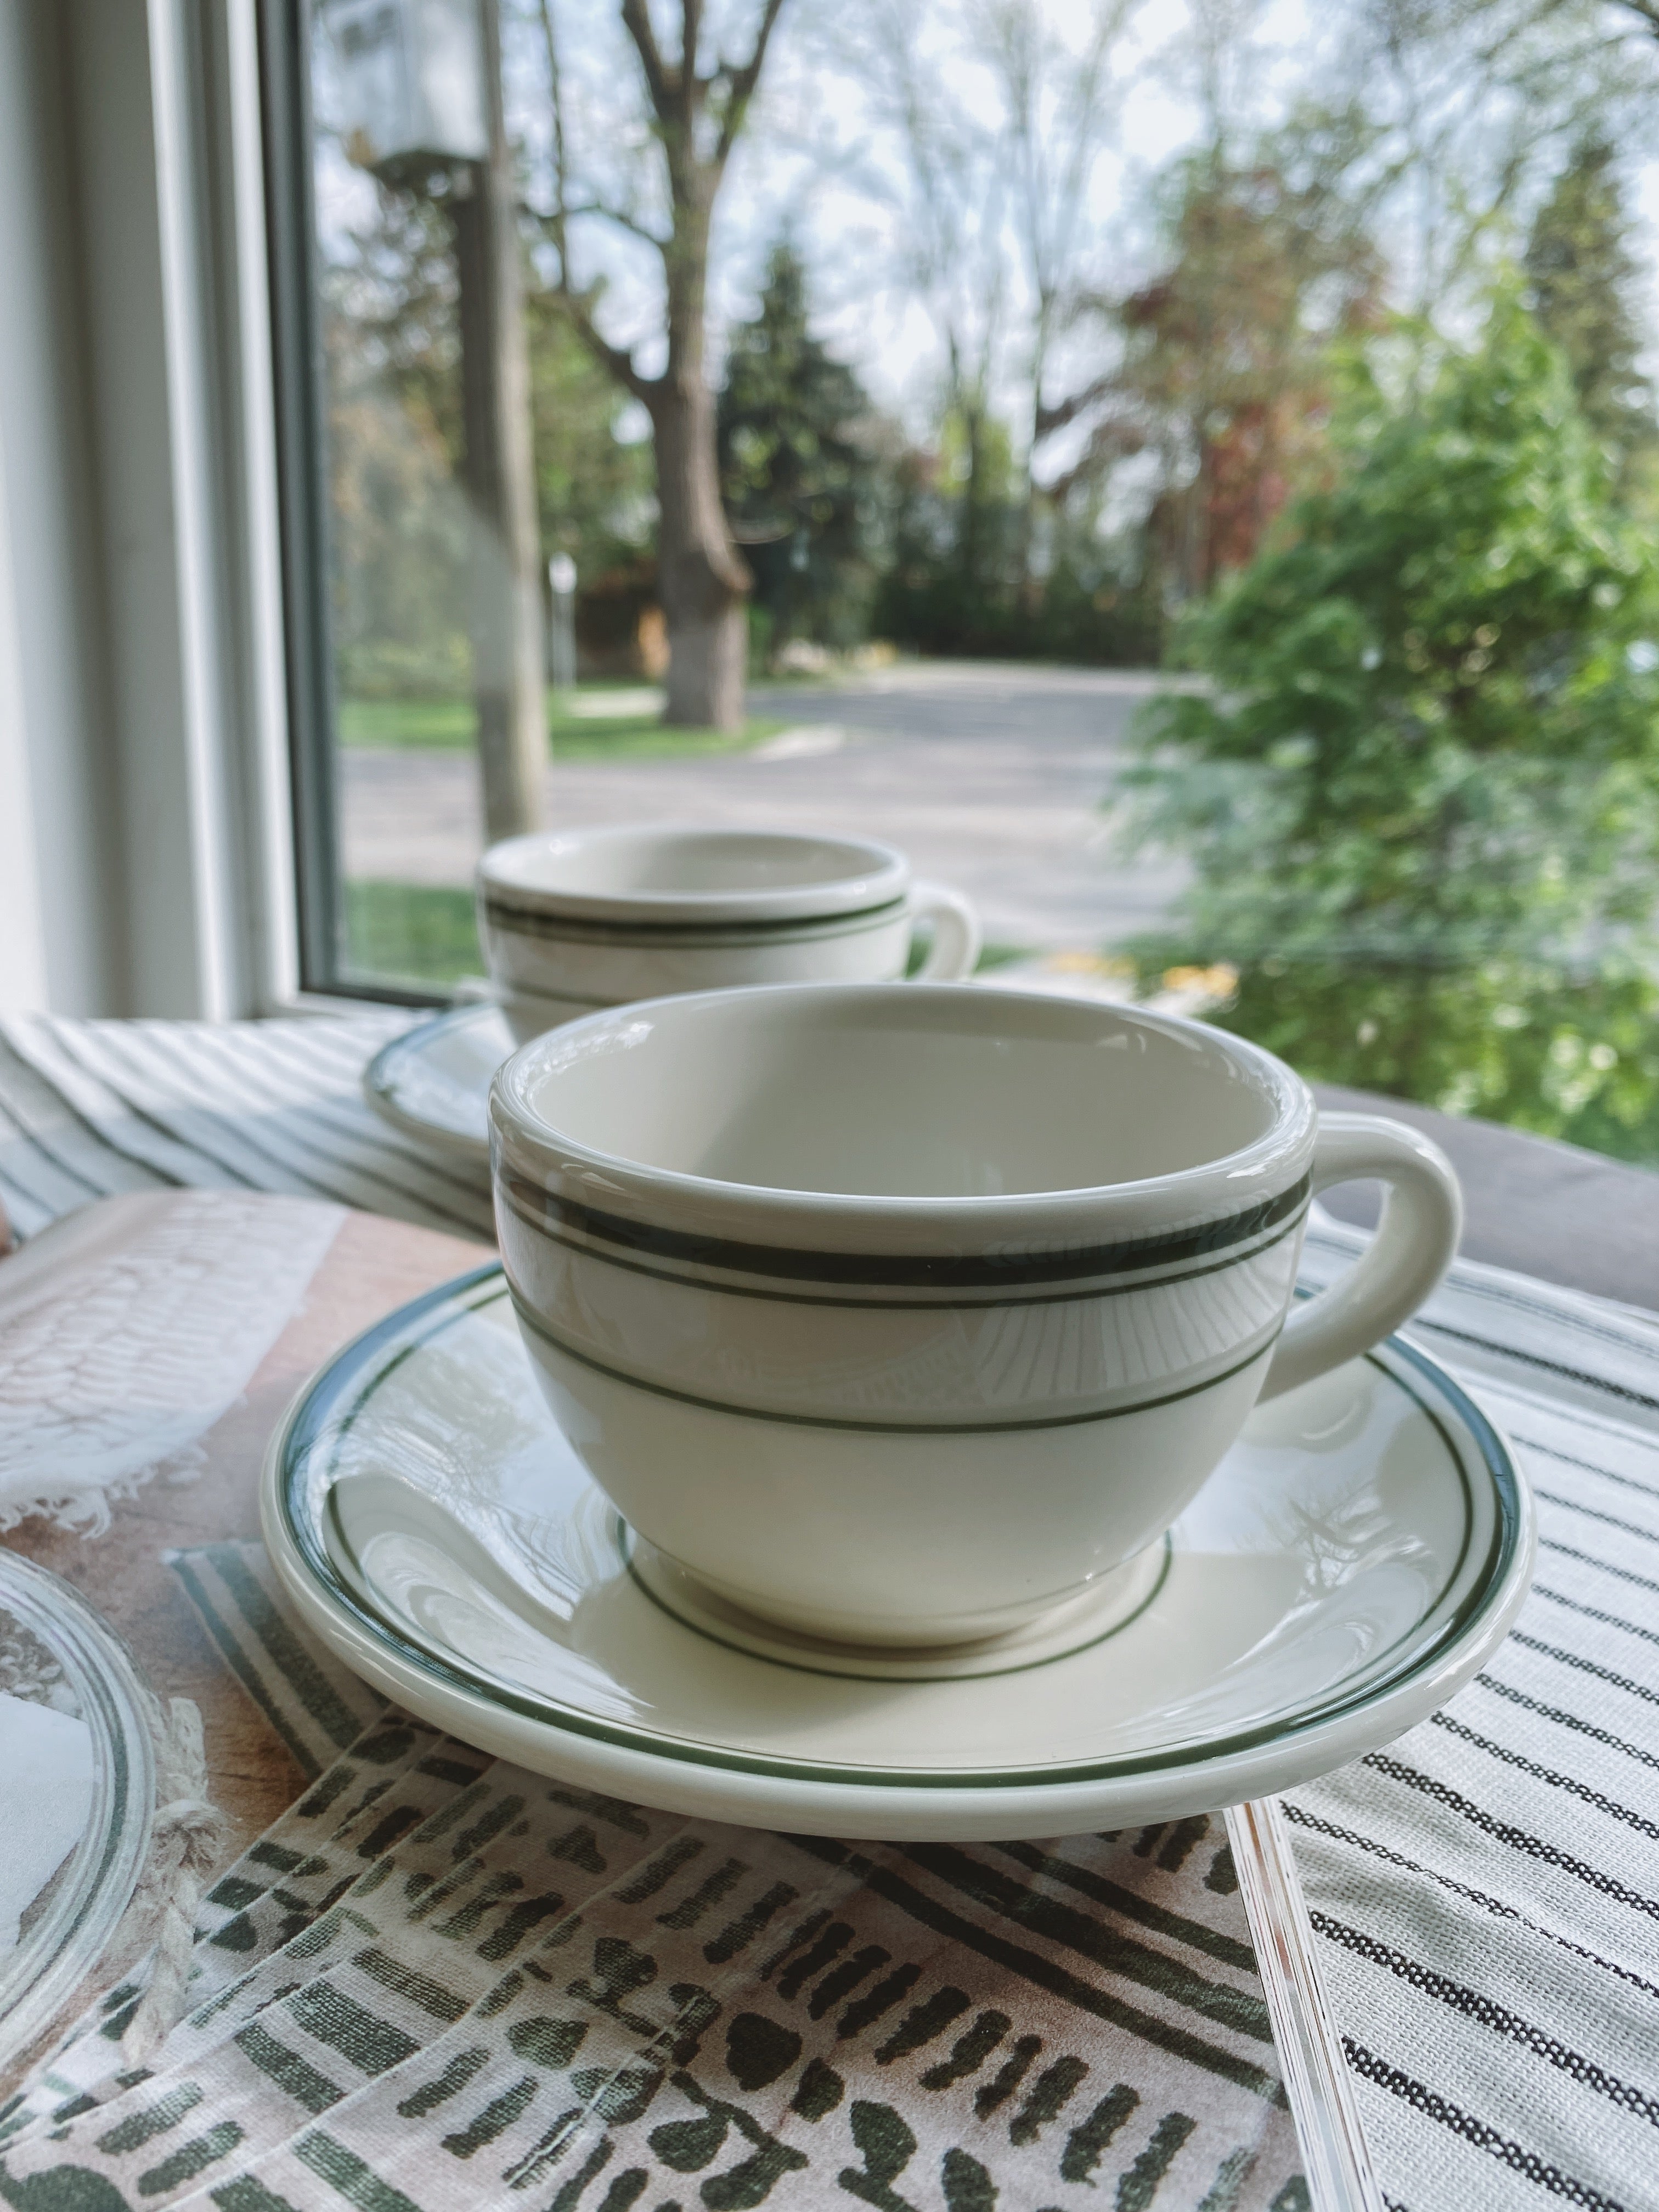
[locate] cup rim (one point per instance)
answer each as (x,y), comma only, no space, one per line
(592,1180)
(882,880)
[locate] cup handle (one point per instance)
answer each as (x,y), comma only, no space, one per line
(955,948)
(1415,1239)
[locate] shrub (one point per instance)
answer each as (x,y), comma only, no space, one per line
(1420,794)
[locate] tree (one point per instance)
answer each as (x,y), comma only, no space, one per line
(1477,103)
(945,195)
(593,489)
(471,189)
(1582,272)
(1223,367)
(1421,793)
(696,117)
(397,450)
(952,582)
(1056,99)
(399,529)
(796,466)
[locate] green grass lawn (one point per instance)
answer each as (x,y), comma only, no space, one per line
(420,934)
(450,726)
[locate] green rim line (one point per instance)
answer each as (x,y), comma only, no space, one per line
(424,1318)
(850,1674)
(993,1301)
(512,989)
(980,1270)
(672,936)
(1016,1428)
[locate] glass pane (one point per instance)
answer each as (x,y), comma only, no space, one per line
(1189,482)
(401,655)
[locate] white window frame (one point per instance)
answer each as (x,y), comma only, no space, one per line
(147,778)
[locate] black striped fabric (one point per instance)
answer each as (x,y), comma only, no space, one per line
(1485,1891)
(88,1109)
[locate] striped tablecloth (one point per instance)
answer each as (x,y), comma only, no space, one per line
(1486,1890)
(88,1109)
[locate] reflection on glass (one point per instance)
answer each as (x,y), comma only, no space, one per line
(1187,476)
(1422,798)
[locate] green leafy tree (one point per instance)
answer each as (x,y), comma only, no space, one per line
(1218,367)
(953,578)
(1421,793)
(596,494)
(397,513)
(798,468)
(1581,273)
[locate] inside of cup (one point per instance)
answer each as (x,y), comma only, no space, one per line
(901,1091)
(684,862)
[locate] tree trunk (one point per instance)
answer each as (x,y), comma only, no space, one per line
(970,530)
(506,613)
(702,579)
(1029,503)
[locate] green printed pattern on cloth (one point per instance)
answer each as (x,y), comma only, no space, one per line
(440,1981)
(318,1706)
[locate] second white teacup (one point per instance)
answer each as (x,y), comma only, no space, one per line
(587,918)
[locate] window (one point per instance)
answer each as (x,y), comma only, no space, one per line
(1188,478)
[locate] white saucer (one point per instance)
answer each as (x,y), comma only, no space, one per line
(1358,1556)
(433,1082)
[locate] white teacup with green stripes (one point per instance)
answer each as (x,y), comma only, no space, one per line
(587,918)
(902,1314)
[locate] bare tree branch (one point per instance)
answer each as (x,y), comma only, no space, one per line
(621,217)
(658,77)
(555,90)
(615,359)
(691,91)
(1049,419)
(741,83)
(1115,439)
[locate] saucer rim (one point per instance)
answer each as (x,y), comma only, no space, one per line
(379,1077)
(849,894)
(373,1645)
(90,1892)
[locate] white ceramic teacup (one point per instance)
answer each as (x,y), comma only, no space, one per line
(899,1314)
(588,918)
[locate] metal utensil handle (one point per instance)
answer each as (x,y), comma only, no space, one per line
(1317,2082)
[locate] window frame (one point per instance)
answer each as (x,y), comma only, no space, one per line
(301,427)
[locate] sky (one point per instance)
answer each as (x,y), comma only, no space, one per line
(824,162)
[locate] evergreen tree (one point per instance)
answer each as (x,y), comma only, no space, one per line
(797,469)
(1581,269)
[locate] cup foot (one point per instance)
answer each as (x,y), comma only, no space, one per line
(1110,1603)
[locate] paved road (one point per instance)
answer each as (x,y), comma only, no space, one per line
(990,777)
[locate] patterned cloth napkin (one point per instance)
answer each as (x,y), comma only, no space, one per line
(1485,1893)
(440,1981)
(130,1329)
